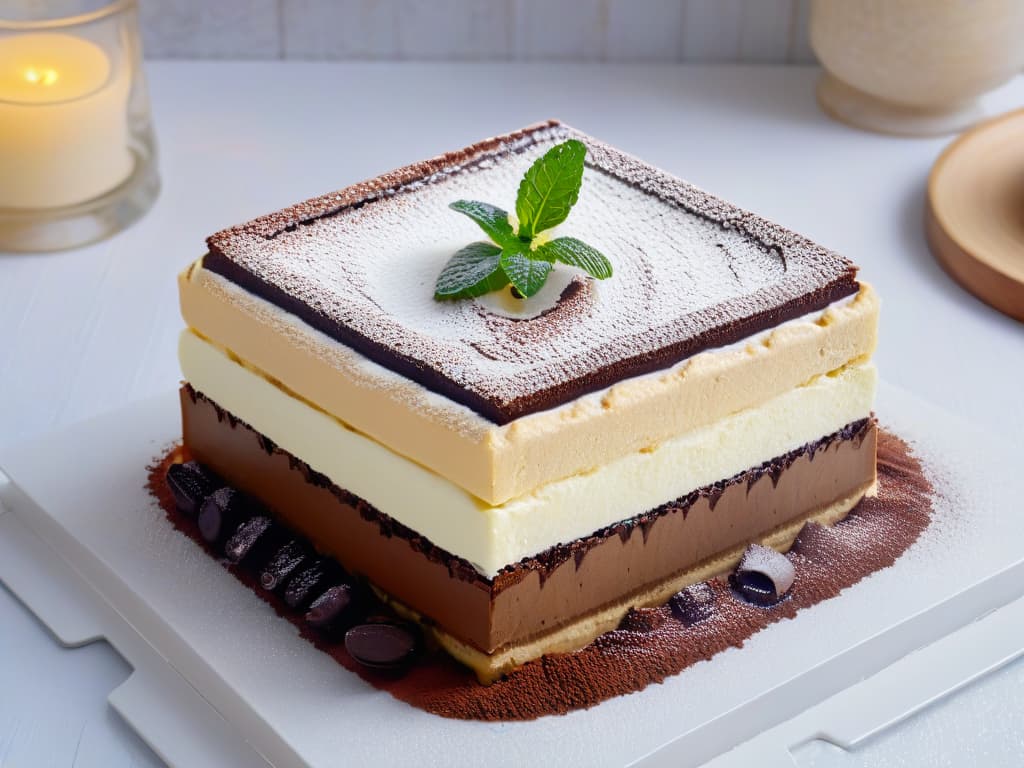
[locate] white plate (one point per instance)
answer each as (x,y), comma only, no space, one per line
(81,492)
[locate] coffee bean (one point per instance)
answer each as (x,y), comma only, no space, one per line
(693,604)
(254,541)
(221,513)
(334,607)
(382,646)
(312,580)
(283,563)
(763,576)
(190,484)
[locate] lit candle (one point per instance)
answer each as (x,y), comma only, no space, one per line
(63,121)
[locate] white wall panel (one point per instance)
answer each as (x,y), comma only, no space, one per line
(453,29)
(554,29)
(764,30)
(800,44)
(711,29)
(339,29)
(201,29)
(771,31)
(651,30)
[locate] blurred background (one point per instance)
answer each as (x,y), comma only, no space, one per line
(769,31)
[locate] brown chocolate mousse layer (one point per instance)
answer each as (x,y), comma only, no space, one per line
(754,275)
(563,584)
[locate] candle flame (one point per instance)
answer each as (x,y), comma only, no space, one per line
(45,76)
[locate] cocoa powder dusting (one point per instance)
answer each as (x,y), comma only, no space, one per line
(651,644)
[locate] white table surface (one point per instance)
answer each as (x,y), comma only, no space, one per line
(85,331)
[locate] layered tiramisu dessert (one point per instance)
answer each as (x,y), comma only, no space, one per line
(517,391)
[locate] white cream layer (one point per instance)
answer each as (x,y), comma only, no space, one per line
(491,537)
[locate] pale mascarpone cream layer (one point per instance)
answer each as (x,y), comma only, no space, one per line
(499,463)
(493,536)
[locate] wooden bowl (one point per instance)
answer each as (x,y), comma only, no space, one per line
(975,213)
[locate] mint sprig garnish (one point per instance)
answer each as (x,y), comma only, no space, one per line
(521,254)
(576,253)
(527,274)
(492,219)
(550,188)
(472,271)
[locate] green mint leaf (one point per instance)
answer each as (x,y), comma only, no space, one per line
(493,282)
(550,189)
(472,271)
(576,253)
(547,193)
(492,219)
(526,274)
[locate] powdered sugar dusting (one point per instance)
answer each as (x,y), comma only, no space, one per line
(678,274)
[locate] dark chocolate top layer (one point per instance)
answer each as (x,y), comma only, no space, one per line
(692,272)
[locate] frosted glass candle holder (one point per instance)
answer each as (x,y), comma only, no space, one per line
(77,152)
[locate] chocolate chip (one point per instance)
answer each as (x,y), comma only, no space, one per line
(693,604)
(222,512)
(190,483)
(382,646)
(254,541)
(283,563)
(334,607)
(763,576)
(312,580)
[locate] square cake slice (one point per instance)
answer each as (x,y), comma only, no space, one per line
(517,474)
